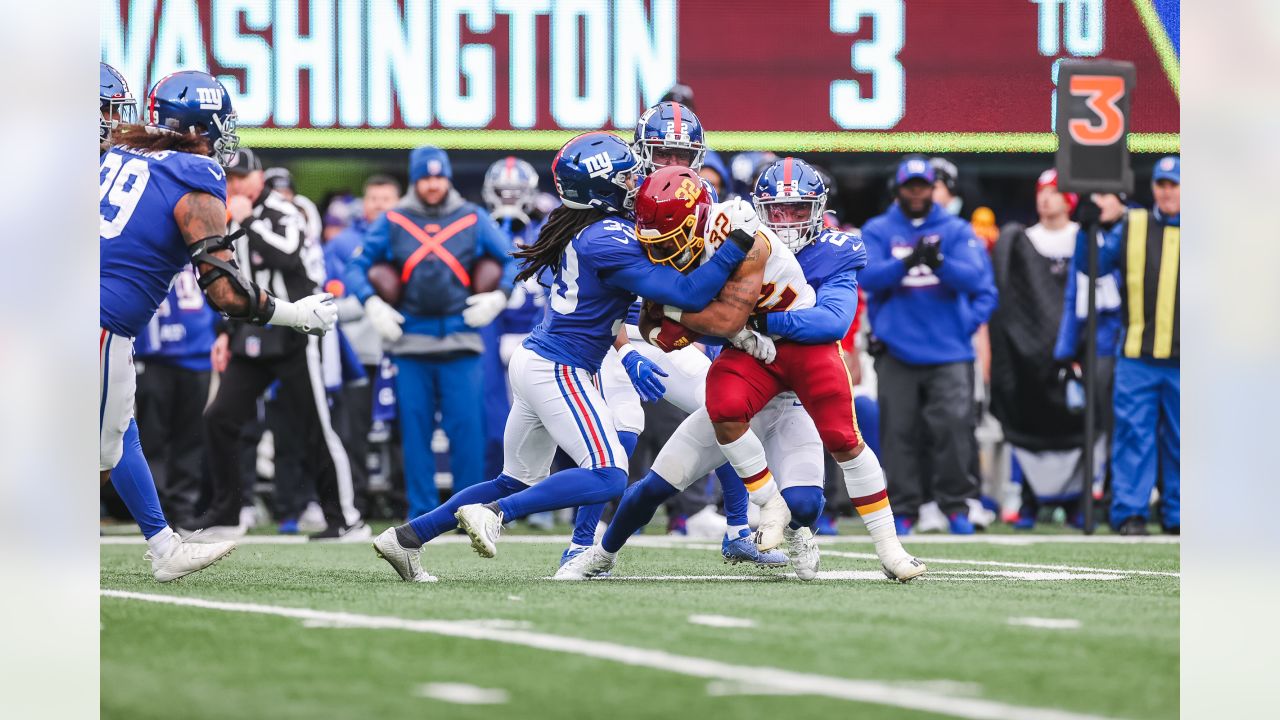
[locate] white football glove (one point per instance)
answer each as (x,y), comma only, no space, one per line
(384,318)
(758,346)
(742,216)
(482,308)
(313,315)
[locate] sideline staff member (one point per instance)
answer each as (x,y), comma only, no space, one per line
(1146,249)
(273,252)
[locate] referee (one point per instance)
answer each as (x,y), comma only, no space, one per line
(274,252)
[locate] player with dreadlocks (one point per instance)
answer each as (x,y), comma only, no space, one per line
(596,268)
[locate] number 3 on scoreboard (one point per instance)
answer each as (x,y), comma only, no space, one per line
(877,57)
(1102,94)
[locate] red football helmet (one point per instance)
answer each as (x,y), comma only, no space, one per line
(671,216)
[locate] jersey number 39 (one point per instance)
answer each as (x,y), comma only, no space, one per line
(121,185)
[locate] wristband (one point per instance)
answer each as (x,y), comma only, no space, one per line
(625,351)
(672,313)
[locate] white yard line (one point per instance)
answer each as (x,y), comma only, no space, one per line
(133,538)
(721,621)
(463,694)
(1046,623)
(872,575)
(1000,563)
(867,691)
(669,542)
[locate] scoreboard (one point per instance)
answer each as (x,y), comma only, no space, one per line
(822,75)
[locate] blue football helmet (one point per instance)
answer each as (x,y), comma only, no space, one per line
(117,105)
(791,197)
(597,170)
(190,101)
(669,134)
(510,189)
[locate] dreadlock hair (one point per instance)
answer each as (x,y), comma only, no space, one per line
(562,225)
(140,137)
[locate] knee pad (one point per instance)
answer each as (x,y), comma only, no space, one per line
(805,502)
(839,439)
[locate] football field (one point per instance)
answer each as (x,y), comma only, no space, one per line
(1002,626)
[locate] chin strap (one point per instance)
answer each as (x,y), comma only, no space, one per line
(202,252)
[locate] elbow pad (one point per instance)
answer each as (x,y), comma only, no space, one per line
(202,253)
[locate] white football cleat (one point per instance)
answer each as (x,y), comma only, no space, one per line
(902,567)
(185,558)
(803,550)
(774,518)
(405,561)
(590,563)
(483,525)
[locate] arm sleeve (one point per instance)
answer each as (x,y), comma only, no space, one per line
(668,286)
(1108,250)
(827,321)
(986,299)
(883,271)
(962,268)
(375,248)
(1069,328)
(491,241)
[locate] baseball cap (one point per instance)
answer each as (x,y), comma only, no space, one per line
(429,161)
(914,167)
(278,177)
(1049,178)
(244,162)
(1168,168)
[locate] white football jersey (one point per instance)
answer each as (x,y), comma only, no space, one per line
(784,286)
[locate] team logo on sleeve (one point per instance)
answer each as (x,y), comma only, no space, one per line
(599,165)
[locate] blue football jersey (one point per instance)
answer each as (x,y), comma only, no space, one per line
(585,310)
(141,248)
(832,253)
(183,328)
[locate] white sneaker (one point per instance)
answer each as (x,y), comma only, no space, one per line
(483,525)
(902,567)
(405,561)
(312,519)
(774,518)
(213,534)
(803,550)
(185,558)
(592,562)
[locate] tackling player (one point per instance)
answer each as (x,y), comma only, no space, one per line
(667,135)
(162,204)
(597,270)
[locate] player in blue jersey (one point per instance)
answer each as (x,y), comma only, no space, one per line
(668,134)
(790,197)
(597,269)
(162,204)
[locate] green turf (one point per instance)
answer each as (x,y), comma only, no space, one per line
(165,661)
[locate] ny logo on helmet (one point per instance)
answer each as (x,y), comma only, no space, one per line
(210,98)
(598,165)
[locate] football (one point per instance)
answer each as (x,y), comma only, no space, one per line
(486,273)
(385,280)
(661,331)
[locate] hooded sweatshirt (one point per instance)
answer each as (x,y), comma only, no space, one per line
(923,316)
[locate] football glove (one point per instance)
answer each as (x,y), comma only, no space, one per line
(313,315)
(482,308)
(384,318)
(644,374)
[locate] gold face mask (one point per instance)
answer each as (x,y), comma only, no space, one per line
(679,247)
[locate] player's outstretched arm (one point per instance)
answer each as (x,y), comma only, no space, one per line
(827,321)
(731,309)
(202,218)
(694,291)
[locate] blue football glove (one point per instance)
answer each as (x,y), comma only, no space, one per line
(644,375)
